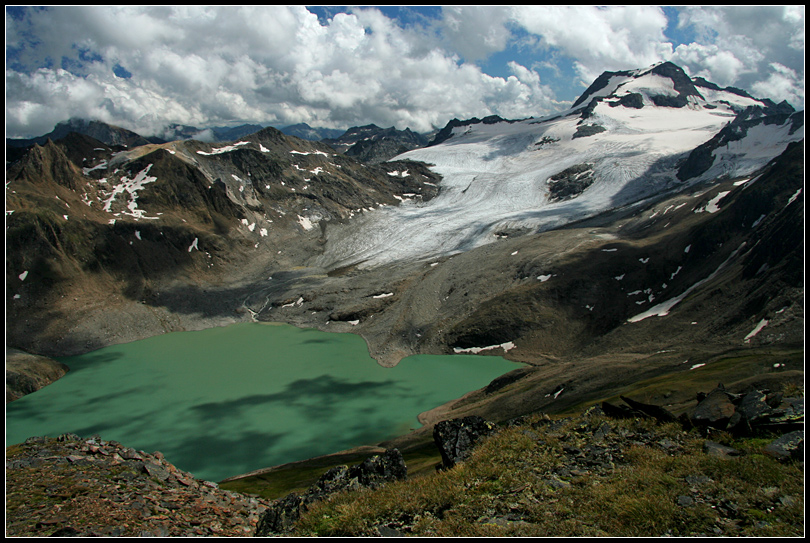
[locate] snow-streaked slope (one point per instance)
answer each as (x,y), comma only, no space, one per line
(495,176)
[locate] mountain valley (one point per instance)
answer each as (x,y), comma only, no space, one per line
(653,231)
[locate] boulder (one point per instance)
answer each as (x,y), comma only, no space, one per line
(714,410)
(282,516)
(752,409)
(456,438)
(618,411)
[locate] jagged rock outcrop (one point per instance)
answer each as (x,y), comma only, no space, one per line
(377,470)
(456,438)
(570,182)
(749,413)
(447,132)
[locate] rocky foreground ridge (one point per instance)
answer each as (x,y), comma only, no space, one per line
(73,486)
(70,486)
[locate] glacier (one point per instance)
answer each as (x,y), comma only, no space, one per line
(495,177)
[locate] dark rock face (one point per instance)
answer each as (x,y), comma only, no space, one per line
(447,132)
(570,182)
(654,411)
(373,472)
(600,83)
(374,145)
(586,130)
(683,85)
(633,100)
(456,438)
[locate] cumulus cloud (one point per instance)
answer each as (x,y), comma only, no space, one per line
(782,84)
(599,38)
(760,48)
(476,32)
(274,65)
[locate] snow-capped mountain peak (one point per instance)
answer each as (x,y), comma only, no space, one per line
(663,84)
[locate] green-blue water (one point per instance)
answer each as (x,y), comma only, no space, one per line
(226,401)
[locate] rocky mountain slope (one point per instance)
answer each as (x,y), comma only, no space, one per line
(94,227)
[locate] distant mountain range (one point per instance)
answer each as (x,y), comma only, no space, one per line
(367,143)
(103,132)
(306,132)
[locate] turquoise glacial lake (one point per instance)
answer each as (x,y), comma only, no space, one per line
(226,401)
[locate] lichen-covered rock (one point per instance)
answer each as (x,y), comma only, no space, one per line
(788,446)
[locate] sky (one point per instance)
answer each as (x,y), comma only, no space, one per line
(144,67)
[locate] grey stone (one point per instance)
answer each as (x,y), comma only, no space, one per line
(156,471)
(788,446)
(685,501)
(716,449)
(385,531)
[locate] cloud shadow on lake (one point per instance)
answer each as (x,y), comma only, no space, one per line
(314,397)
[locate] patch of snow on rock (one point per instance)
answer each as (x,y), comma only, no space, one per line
(475,350)
(226,149)
(760,325)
